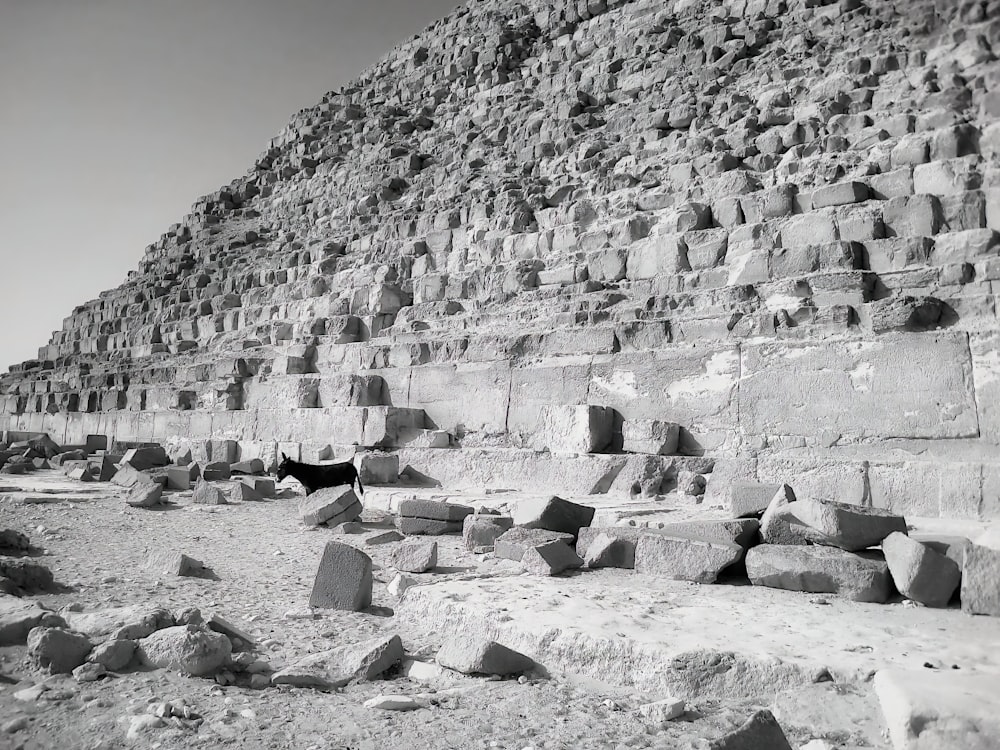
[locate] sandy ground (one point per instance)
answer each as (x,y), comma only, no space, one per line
(263,562)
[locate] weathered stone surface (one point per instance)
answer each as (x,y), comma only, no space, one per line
(511,545)
(208,494)
(741,531)
(343,579)
(552,513)
(190,649)
(480,530)
(131,622)
(650,436)
(472,655)
(144,495)
(550,559)
(981,581)
(415,557)
(57,650)
(861,577)
(13,541)
(355,662)
(850,527)
(19,576)
(575,429)
(434,510)
(939,709)
(760,731)
(750,498)
(605,551)
(174,564)
(113,654)
(145,458)
(920,573)
(427,526)
(685,558)
(18,617)
(330,505)
(661,711)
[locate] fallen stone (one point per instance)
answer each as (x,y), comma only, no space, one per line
(356,662)
(241,492)
(399,584)
(145,458)
(330,505)
(89,672)
(427,526)
(415,557)
(127,476)
(114,654)
(850,527)
(208,494)
(951,546)
(650,436)
(219,624)
(750,498)
(190,649)
(216,471)
(981,581)
(174,564)
(263,486)
(393,703)
(144,495)
(384,537)
(920,573)
(930,709)
(343,579)
(143,724)
(12,541)
(182,477)
(823,570)
(131,622)
(479,531)
(473,655)
(779,524)
(253,466)
(18,617)
(760,732)
(550,559)
(661,711)
(57,650)
(24,576)
(80,474)
(511,545)
(685,558)
(553,514)
(349,527)
(608,552)
(434,510)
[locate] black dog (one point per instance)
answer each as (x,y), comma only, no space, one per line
(314,477)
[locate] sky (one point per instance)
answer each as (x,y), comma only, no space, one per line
(116,115)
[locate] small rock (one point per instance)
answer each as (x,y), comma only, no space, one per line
(15,725)
(113,654)
(760,731)
(337,667)
(662,711)
(174,564)
(142,724)
(260,681)
(393,703)
(190,649)
(399,584)
(89,672)
(144,495)
(473,655)
(385,537)
(57,650)
(415,557)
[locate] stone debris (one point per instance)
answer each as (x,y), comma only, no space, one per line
(89,672)
(480,532)
(511,545)
(951,546)
(19,576)
(472,655)
(415,557)
(343,579)
(384,537)
(235,633)
(127,476)
(930,709)
(263,486)
(191,649)
(749,499)
(174,564)
(131,622)
(760,731)
(57,650)
(779,524)
(823,570)
(14,542)
(850,527)
(206,493)
(650,436)
(685,558)
(241,492)
(393,703)
(355,662)
(431,517)
(330,506)
(553,514)
(981,581)
(661,711)
(144,458)
(551,558)
(114,654)
(399,584)
(18,617)
(920,573)
(606,551)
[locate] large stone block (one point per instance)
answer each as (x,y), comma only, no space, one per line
(330,504)
(511,545)
(870,389)
(551,382)
(650,436)
(920,573)
(462,398)
(575,429)
(480,531)
(981,581)
(685,558)
(850,527)
(343,579)
(552,513)
(861,577)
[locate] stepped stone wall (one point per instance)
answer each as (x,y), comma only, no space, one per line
(772,223)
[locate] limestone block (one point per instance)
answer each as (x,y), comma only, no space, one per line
(920,573)
(377,468)
(415,557)
(813,228)
(862,577)
(605,551)
(912,216)
(512,544)
(182,477)
(345,389)
(650,436)
(839,194)
(354,662)
(656,256)
(608,265)
(480,531)
(330,504)
(759,731)
(208,494)
(343,579)
(389,426)
(861,388)
(686,558)
(429,526)
(461,398)
(747,498)
(550,559)
(553,514)
(145,458)
(472,655)
(575,429)
(981,581)
(560,381)
(939,709)
(433,510)
(850,527)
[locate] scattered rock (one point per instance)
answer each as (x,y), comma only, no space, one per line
(415,557)
(330,505)
(920,573)
(343,579)
(174,564)
(57,650)
(384,537)
(356,662)
(12,541)
(113,654)
(553,514)
(606,551)
(980,592)
(399,584)
(661,711)
(759,732)
(18,617)
(190,649)
(550,559)
(393,703)
(89,672)
(481,531)
(473,655)
(19,576)
(208,494)
(862,577)
(685,558)
(850,527)
(511,545)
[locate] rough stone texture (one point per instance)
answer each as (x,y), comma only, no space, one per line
(939,709)
(760,731)
(741,531)
(861,577)
(57,650)
(661,711)
(343,579)
(750,498)
(605,551)
(131,622)
(113,654)
(551,558)
(779,524)
(553,514)
(144,495)
(685,558)
(355,662)
(479,531)
(981,581)
(19,576)
(330,505)
(18,617)
(415,557)
(575,429)
(208,494)
(650,436)
(191,649)
(472,655)
(434,510)
(850,527)
(511,545)
(920,573)
(174,564)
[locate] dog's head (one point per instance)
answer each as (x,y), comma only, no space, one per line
(283,467)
